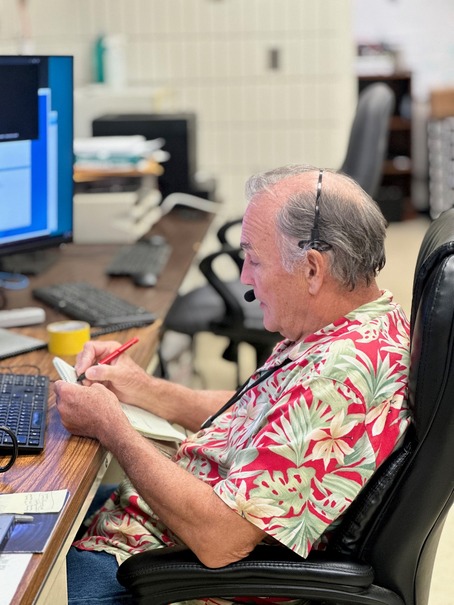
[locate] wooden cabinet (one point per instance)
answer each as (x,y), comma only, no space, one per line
(394,196)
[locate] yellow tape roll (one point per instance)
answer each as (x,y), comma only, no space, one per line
(67,337)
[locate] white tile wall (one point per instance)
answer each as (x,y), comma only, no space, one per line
(213,55)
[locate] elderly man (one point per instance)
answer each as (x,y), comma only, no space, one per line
(287,454)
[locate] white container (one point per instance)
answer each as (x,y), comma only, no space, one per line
(115,70)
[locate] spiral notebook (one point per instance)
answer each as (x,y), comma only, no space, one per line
(148,424)
(13,343)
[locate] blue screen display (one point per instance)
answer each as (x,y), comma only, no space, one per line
(36,152)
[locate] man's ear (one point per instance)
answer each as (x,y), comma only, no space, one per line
(314,271)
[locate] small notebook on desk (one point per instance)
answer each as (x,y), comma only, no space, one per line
(144,422)
(13,343)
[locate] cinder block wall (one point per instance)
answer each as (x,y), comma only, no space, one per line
(271,81)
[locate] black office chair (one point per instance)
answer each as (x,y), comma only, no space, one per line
(384,551)
(368,141)
(218,307)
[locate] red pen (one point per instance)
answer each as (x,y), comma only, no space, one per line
(112,356)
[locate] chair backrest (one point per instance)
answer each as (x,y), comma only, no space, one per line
(368,139)
(402,537)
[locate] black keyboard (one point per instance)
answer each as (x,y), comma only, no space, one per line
(145,256)
(23,409)
(80,300)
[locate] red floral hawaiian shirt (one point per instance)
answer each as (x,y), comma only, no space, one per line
(296,449)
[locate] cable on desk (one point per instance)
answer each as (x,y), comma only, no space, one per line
(14,446)
(13,281)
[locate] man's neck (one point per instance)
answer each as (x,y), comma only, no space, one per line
(345,301)
(334,303)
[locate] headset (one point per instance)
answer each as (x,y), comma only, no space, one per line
(315,243)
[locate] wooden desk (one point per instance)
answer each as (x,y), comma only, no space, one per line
(76,463)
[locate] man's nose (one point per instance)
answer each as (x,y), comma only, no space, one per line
(244,275)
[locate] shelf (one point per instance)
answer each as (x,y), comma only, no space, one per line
(83,175)
(398,123)
(398,75)
(390,168)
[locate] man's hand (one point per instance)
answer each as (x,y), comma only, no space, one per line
(88,411)
(123,376)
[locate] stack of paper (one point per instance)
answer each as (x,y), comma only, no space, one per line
(116,152)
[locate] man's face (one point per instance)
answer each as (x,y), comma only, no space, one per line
(281,294)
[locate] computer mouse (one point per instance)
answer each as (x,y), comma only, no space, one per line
(156,240)
(145,280)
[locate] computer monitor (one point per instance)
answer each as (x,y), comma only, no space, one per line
(36,159)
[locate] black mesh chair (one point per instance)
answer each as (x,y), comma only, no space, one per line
(218,306)
(384,551)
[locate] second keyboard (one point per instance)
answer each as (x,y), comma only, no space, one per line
(98,307)
(145,256)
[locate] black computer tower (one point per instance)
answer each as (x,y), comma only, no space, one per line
(179,133)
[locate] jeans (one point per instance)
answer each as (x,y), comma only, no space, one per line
(92,575)
(92,579)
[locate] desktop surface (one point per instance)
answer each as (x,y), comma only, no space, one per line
(88,263)
(69,462)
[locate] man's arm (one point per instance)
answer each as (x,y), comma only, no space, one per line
(185,504)
(180,404)
(131,384)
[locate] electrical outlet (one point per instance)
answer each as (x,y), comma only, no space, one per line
(274,58)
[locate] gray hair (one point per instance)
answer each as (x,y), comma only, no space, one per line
(350,221)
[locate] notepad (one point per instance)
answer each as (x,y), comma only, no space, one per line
(33,502)
(144,422)
(13,343)
(45,509)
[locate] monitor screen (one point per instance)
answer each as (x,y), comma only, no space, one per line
(36,153)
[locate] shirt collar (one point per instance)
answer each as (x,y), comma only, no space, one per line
(362,315)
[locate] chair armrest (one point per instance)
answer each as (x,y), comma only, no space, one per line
(234,311)
(225,228)
(167,575)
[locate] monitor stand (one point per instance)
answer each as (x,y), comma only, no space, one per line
(29,263)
